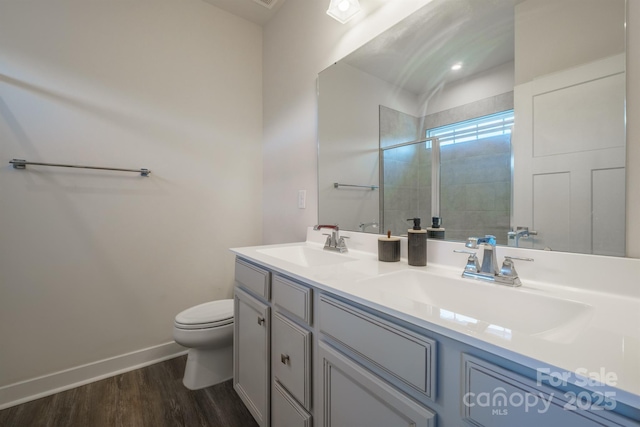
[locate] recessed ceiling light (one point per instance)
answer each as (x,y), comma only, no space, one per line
(343,10)
(456,67)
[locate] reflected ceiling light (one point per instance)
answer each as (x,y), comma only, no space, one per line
(343,10)
(456,67)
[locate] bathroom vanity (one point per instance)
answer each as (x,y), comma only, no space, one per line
(330,339)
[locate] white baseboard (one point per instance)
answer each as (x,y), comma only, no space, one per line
(46,385)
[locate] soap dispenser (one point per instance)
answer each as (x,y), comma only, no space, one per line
(417,250)
(436,231)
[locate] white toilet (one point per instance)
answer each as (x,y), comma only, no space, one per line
(207,329)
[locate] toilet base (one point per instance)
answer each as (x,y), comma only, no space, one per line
(208,366)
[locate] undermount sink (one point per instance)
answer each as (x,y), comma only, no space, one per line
(484,307)
(306,256)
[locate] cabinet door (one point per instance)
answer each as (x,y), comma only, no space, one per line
(251,373)
(354,397)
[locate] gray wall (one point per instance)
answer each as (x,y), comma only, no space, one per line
(475,182)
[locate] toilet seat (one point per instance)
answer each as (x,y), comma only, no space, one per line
(208,315)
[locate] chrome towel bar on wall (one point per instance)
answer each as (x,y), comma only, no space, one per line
(369,187)
(22,164)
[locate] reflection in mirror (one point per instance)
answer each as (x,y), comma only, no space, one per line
(473,166)
(417,138)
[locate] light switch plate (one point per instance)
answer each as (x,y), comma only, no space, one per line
(302,199)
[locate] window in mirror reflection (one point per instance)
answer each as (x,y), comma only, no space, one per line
(473,130)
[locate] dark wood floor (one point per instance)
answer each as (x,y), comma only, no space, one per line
(149,397)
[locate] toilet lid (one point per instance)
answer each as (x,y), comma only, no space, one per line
(209,314)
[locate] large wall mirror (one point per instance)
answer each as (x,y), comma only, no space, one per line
(499,117)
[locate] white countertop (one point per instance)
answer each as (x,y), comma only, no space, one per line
(596,338)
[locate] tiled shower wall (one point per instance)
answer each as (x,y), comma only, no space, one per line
(406,172)
(475,182)
(407,187)
(475,177)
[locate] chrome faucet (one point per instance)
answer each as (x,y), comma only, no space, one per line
(488,271)
(520,233)
(334,242)
(489,263)
(363,226)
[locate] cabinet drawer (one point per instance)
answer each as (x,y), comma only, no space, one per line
(253,278)
(286,411)
(398,353)
(293,298)
(291,358)
(355,397)
(496,397)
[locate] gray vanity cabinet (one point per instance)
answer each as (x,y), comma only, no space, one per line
(252,340)
(305,357)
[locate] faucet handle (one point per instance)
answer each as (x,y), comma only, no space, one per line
(462,251)
(506,257)
(508,269)
(473,265)
(342,244)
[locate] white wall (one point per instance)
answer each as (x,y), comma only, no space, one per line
(96,264)
(300,42)
(487,84)
(540,24)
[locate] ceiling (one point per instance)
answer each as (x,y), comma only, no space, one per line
(417,54)
(251,10)
(478,33)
